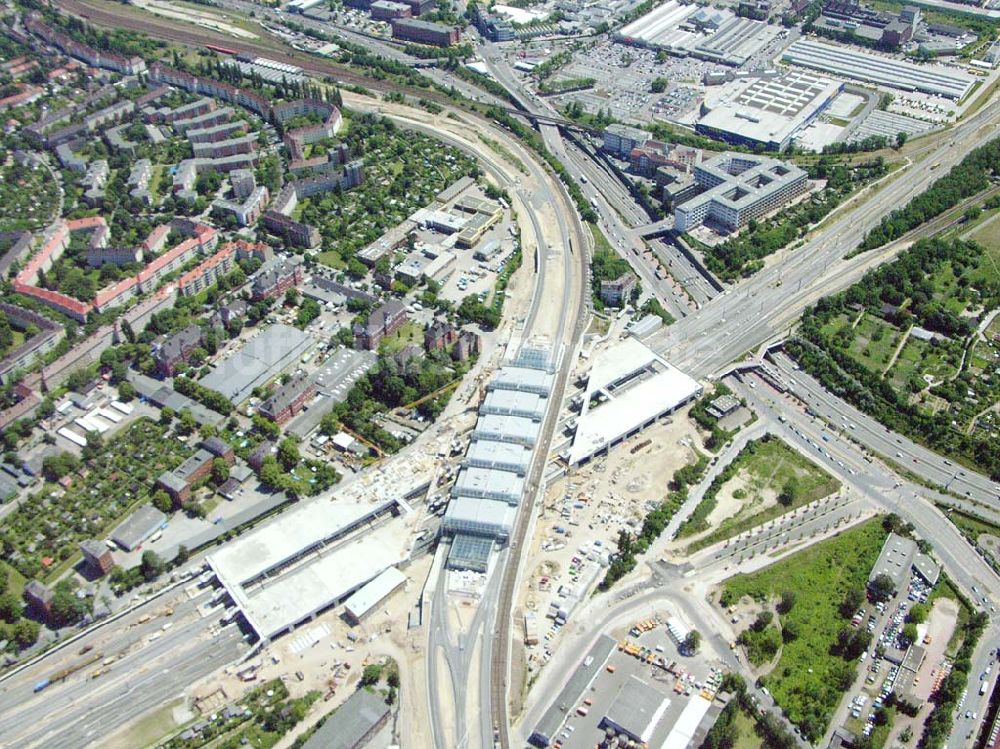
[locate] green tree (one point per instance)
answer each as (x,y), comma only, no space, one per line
(692,642)
(162,502)
(25,633)
(126,391)
(151,565)
(220,471)
(371,675)
(787,602)
(182,554)
(789,492)
(11,607)
(882,587)
(186,423)
(288,453)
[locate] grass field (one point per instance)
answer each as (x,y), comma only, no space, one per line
(410,332)
(919,358)
(767,469)
(747,737)
(874,343)
(15,580)
(808,681)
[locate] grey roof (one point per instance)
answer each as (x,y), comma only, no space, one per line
(217,446)
(93,548)
(38,591)
(174,346)
(574,688)
(636,708)
(286,394)
(139,526)
(263,357)
(351,723)
(895,560)
(927,568)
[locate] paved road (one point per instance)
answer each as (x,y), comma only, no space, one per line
(81,709)
(963,564)
(913,457)
(757,309)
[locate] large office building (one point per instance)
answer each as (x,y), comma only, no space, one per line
(880,70)
(424,32)
(738,188)
(769,111)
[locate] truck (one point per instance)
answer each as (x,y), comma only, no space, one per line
(982,688)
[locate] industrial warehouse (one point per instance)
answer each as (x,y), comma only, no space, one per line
(769,111)
(703,32)
(936,80)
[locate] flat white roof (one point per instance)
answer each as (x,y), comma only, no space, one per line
(936,79)
(522,378)
(629,408)
(286,537)
(621,360)
(282,602)
(682,733)
(508,427)
(514,402)
(372,594)
(498,453)
(469,509)
(490,483)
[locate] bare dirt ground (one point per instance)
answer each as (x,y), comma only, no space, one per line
(581,517)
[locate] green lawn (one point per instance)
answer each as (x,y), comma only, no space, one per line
(919,358)
(874,343)
(808,681)
(410,332)
(747,737)
(15,580)
(988,235)
(768,468)
(332,259)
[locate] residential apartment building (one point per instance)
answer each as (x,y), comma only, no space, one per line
(385,320)
(288,399)
(275,278)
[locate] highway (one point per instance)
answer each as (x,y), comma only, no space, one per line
(759,308)
(618,213)
(877,482)
(892,446)
(153,666)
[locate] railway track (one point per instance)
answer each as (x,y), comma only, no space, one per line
(500,659)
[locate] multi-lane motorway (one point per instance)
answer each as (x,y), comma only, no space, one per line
(154,661)
(894,447)
(757,309)
(877,482)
